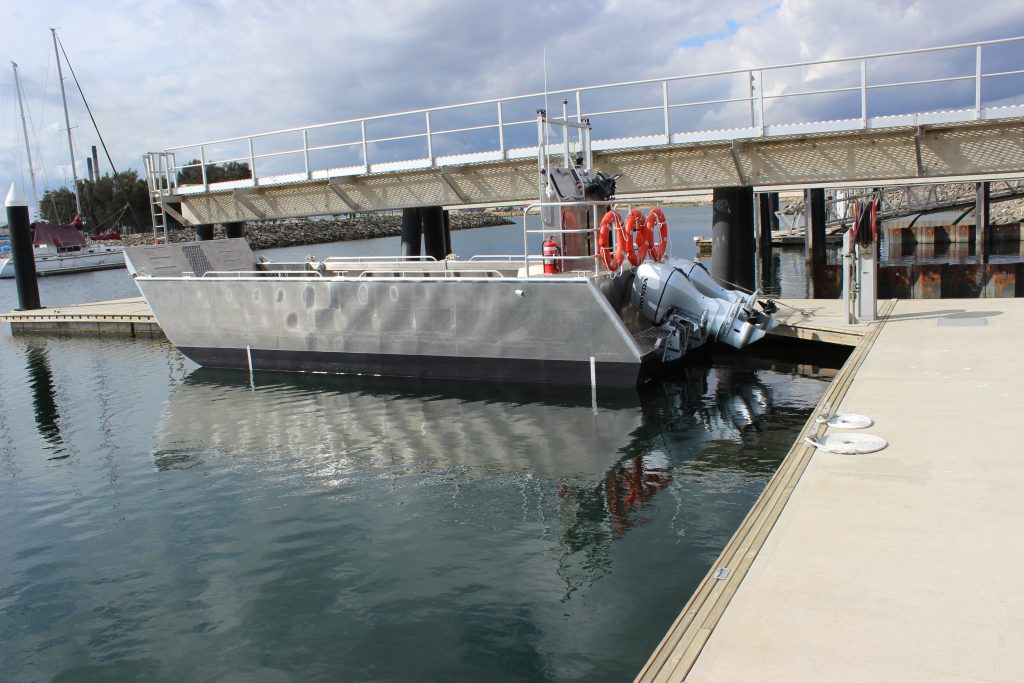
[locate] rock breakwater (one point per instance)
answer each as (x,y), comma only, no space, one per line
(296,232)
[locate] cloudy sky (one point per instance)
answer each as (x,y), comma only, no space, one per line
(161,74)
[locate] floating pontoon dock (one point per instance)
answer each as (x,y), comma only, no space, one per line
(899,565)
(130,317)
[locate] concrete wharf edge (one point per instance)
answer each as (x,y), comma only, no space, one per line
(904,564)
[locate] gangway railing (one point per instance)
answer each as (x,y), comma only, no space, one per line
(964,82)
(919,199)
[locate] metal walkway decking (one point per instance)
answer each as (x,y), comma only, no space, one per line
(896,565)
(854,121)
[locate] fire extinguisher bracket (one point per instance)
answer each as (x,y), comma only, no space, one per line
(552,263)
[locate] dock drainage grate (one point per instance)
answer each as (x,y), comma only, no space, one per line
(963,322)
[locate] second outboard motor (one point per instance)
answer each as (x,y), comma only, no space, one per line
(682,298)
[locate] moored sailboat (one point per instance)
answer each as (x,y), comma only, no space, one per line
(59,248)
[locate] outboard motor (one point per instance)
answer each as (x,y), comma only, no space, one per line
(681,297)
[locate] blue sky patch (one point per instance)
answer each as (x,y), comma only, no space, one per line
(731,27)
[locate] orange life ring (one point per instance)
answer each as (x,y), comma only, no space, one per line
(657,251)
(612,221)
(635,230)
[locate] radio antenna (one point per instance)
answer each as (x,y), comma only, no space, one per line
(546,79)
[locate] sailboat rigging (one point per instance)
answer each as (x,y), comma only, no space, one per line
(24,128)
(61,248)
(67,123)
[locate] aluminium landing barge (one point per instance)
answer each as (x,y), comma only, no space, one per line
(600,305)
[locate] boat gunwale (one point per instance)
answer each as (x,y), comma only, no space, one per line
(317,277)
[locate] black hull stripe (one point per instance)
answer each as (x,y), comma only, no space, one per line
(532,371)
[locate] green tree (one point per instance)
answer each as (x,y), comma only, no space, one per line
(111,201)
(57,206)
(215,173)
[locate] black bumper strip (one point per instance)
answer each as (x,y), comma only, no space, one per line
(531,371)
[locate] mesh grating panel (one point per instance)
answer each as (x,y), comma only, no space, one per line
(649,339)
(196,259)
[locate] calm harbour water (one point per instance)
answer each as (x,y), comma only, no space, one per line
(164,522)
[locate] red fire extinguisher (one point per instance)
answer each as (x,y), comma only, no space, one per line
(551,264)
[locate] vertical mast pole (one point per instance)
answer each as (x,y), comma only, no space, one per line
(67,122)
(24,128)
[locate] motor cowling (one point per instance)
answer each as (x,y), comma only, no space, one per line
(680,292)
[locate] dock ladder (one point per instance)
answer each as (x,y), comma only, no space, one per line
(163,184)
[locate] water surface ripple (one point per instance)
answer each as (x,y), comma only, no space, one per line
(167,523)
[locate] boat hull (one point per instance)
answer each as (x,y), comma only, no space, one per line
(477,320)
(557,331)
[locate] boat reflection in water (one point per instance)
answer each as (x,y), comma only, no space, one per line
(394,424)
(606,460)
(476,528)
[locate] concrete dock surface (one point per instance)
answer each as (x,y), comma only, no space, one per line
(906,564)
(818,320)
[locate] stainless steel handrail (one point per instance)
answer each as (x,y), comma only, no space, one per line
(426,275)
(222,274)
(495,257)
(537,206)
(380,258)
(707,74)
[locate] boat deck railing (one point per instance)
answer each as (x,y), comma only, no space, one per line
(377,259)
(525,265)
(376,274)
(535,210)
(300,274)
(363,269)
(405,274)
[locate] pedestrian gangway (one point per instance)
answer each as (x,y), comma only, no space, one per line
(928,115)
(898,201)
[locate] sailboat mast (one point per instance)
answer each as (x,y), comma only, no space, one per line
(24,128)
(67,122)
